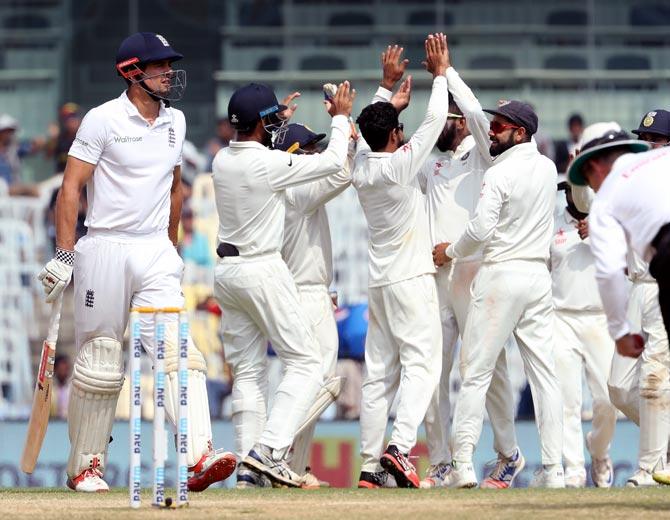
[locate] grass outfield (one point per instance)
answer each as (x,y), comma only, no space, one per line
(347,504)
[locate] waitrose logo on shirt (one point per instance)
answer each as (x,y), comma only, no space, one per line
(127,139)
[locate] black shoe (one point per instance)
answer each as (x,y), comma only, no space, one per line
(370,480)
(398,465)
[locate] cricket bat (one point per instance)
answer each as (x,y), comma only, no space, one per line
(39,415)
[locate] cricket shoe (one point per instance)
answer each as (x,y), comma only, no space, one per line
(248,478)
(602,471)
(462,475)
(436,476)
(88,481)
(641,478)
(212,467)
(376,480)
(575,479)
(261,459)
(505,471)
(662,476)
(311,481)
(550,476)
(398,465)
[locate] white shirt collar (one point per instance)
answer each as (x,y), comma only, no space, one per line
(131,109)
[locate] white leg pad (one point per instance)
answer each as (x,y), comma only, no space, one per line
(96,383)
(302,442)
(199,424)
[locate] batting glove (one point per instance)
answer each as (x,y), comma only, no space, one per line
(56,275)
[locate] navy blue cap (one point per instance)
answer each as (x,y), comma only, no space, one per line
(296,136)
(518,112)
(145,47)
(250,103)
(655,122)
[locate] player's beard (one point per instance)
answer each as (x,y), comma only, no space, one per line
(267,139)
(446,139)
(498,147)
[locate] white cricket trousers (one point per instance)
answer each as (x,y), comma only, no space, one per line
(454,282)
(116,271)
(582,344)
(319,309)
(639,387)
(509,297)
(259,301)
(403,351)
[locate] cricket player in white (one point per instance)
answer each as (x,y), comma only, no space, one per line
(620,239)
(253,285)
(512,290)
(403,344)
(128,154)
(452,183)
(307,251)
(581,344)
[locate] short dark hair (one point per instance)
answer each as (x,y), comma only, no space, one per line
(453,106)
(376,122)
(575,119)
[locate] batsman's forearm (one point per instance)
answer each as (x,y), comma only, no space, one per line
(67,208)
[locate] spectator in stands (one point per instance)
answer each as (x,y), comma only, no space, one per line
(11,153)
(193,246)
(61,385)
(566,149)
(61,136)
(225,132)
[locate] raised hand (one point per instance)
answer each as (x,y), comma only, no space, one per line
(393,66)
(343,101)
(400,99)
(291,108)
(437,55)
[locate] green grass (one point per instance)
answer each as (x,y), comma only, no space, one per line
(348,504)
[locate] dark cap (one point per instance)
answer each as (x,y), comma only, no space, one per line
(518,112)
(296,136)
(145,47)
(655,122)
(250,103)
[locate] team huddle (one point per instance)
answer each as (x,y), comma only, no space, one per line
(467,243)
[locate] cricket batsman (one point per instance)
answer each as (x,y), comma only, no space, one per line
(127,153)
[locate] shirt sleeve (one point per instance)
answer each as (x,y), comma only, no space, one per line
(478,123)
(307,198)
(91,138)
(408,159)
(480,228)
(609,247)
(286,170)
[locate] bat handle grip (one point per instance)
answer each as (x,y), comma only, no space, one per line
(54,320)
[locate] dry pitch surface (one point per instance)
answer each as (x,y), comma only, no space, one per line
(348,504)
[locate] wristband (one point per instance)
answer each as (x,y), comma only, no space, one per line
(65,256)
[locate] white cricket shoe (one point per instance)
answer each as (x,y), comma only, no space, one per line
(602,471)
(641,478)
(505,471)
(462,475)
(88,481)
(436,476)
(548,477)
(575,479)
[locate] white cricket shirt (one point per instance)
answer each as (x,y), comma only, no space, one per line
(399,245)
(452,181)
(629,209)
(307,248)
(573,272)
(129,191)
(250,181)
(515,215)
